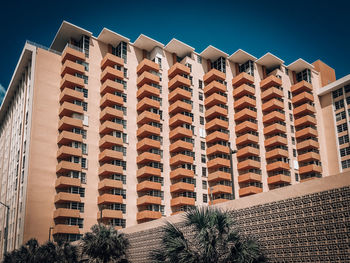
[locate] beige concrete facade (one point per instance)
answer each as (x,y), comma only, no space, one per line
(125,133)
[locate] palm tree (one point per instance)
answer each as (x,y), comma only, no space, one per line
(104,244)
(26,253)
(211,238)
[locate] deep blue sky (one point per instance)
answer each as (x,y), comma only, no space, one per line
(290,29)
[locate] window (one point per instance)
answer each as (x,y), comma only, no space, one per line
(293,140)
(202,132)
(200,96)
(343,139)
(345,151)
(294,153)
(219,64)
(204,171)
(199,59)
(84,148)
(340,116)
(289,106)
(83,163)
(201,120)
(296,177)
(204,185)
(125,70)
(205,198)
(201,108)
(286,71)
(247,67)
(290,117)
(200,84)
(342,127)
(345,164)
(83,178)
(291,128)
(337,93)
(202,145)
(304,75)
(339,104)
(289,95)
(203,158)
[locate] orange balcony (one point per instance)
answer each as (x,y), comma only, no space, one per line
(249,177)
(107,141)
(248,164)
(109,155)
(303,121)
(63,197)
(110,60)
(247,138)
(71,67)
(179,119)
(65,166)
(306,132)
(66,137)
(215,111)
(215,124)
(276,166)
(70,95)
(147,143)
(219,176)
(302,98)
(109,199)
(214,87)
(275,140)
(178,94)
(214,99)
(301,86)
(68,123)
(278,179)
(250,190)
(65,229)
(309,156)
(64,212)
(147,130)
(217,136)
(180,145)
(178,81)
(270,81)
(106,184)
(180,159)
(246,126)
(147,78)
(304,109)
(111,73)
(149,200)
(179,106)
(181,173)
(181,200)
(147,65)
(181,187)
(214,74)
(148,215)
(178,69)
(242,78)
(247,151)
(110,113)
(217,148)
(147,103)
(109,126)
(275,153)
(64,181)
(271,93)
(148,185)
(272,104)
(147,157)
(111,100)
(147,116)
(71,81)
(245,114)
(180,132)
(217,163)
(243,90)
(110,86)
(273,117)
(244,102)
(147,91)
(72,54)
(219,201)
(275,128)
(147,171)
(67,151)
(221,189)
(110,214)
(311,168)
(68,108)
(107,169)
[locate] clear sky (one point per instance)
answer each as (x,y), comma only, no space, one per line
(289,29)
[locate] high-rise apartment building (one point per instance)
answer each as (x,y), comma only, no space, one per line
(99,129)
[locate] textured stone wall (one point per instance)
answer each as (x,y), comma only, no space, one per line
(308,228)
